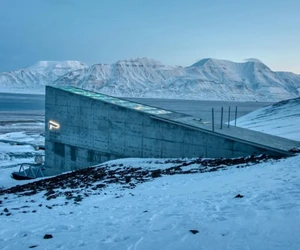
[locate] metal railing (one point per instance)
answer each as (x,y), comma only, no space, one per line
(222,117)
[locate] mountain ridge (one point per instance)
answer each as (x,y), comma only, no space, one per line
(207,79)
(51,65)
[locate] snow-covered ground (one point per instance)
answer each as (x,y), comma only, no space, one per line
(38,139)
(280,119)
(18,148)
(161,212)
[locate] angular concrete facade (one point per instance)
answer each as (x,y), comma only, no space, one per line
(84,128)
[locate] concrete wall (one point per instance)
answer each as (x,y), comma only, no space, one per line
(93,131)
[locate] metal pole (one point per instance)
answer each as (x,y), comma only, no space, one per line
(235,115)
(228,117)
(213,119)
(221,117)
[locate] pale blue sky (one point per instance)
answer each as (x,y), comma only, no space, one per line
(175,32)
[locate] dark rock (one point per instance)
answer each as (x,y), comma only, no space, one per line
(8,214)
(145,211)
(6,210)
(239,196)
(127,179)
(156,173)
(193,231)
(33,246)
(34,211)
(101,185)
(295,150)
(53,196)
(78,198)
(50,192)
(48,236)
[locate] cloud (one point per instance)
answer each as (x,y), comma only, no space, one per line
(253,60)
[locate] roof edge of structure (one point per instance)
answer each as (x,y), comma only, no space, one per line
(115,100)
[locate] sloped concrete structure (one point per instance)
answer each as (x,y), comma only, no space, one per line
(84,128)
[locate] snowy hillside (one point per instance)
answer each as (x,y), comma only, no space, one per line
(34,78)
(250,203)
(282,119)
(208,79)
(145,204)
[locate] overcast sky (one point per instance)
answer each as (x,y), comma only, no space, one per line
(175,32)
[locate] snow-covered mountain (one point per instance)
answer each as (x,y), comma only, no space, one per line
(208,79)
(35,77)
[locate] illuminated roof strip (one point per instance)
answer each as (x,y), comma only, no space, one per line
(117,101)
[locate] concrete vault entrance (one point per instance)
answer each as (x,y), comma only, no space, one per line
(84,128)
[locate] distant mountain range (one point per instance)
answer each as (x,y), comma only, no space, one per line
(208,79)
